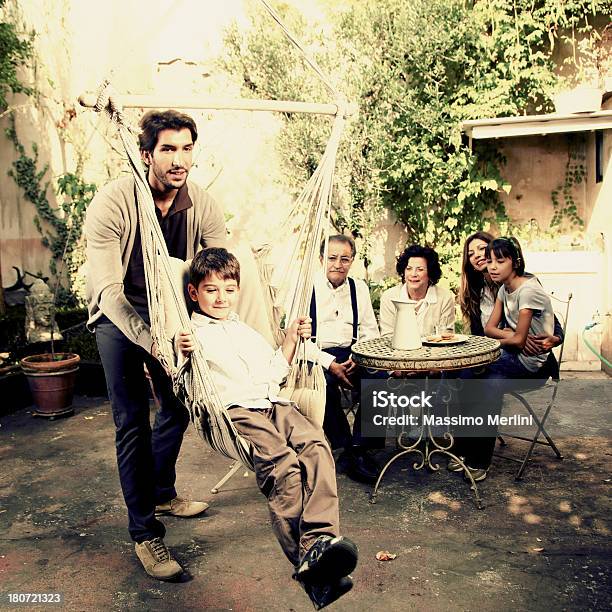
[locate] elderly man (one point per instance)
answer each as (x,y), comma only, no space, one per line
(118,314)
(342,313)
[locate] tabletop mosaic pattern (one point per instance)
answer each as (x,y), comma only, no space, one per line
(378,353)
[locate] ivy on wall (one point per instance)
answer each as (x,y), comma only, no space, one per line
(65,222)
(16,51)
(564,204)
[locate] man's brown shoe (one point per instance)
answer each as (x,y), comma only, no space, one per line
(157,561)
(181,507)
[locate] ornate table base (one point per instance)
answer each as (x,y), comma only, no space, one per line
(379,354)
(426,460)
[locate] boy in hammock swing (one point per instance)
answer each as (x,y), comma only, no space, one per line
(294,466)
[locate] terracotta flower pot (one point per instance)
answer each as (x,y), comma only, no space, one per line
(51,382)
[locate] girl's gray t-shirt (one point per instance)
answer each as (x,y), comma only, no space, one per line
(529,295)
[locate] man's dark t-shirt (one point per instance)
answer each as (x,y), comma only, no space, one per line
(174,229)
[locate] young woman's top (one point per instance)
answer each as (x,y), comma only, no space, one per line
(487,302)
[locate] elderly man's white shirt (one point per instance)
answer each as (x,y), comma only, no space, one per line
(245,369)
(335,317)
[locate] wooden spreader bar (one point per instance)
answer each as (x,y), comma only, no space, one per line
(200,102)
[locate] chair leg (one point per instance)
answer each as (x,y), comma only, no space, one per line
(551,443)
(519,474)
(548,438)
(352,406)
(233,469)
(540,430)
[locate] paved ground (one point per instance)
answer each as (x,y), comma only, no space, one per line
(542,544)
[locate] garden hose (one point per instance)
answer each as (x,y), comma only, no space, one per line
(591,347)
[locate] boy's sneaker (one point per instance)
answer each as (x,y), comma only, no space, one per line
(157,561)
(455,466)
(322,595)
(478,474)
(328,560)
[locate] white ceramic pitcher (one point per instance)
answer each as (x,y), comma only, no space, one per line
(406,336)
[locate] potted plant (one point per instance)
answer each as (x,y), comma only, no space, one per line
(51,376)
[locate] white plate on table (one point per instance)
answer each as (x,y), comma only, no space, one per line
(456,339)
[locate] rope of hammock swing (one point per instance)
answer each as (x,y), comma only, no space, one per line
(192,380)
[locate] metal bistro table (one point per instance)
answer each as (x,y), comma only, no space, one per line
(380,355)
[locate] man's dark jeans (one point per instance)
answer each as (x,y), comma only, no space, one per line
(146,458)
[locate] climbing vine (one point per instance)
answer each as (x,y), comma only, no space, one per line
(65,222)
(16,52)
(562,197)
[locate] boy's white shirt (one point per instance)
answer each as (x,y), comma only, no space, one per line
(246,370)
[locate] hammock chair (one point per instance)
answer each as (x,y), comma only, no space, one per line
(192,381)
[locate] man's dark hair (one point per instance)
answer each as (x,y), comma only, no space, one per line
(431,257)
(153,122)
(214,261)
(340,238)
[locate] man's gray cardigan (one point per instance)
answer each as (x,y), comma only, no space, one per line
(110,227)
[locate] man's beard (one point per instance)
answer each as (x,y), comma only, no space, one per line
(164,180)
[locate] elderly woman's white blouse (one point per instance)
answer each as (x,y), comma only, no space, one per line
(436,308)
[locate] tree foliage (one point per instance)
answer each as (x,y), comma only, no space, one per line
(15,52)
(417,70)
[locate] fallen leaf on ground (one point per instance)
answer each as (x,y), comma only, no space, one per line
(385,555)
(537,550)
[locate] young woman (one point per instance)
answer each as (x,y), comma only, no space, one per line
(477,292)
(521,309)
(419,269)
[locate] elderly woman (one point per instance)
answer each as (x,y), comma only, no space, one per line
(419,269)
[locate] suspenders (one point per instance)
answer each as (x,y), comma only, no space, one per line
(313,311)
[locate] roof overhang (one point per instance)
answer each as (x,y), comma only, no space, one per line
(537,125)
